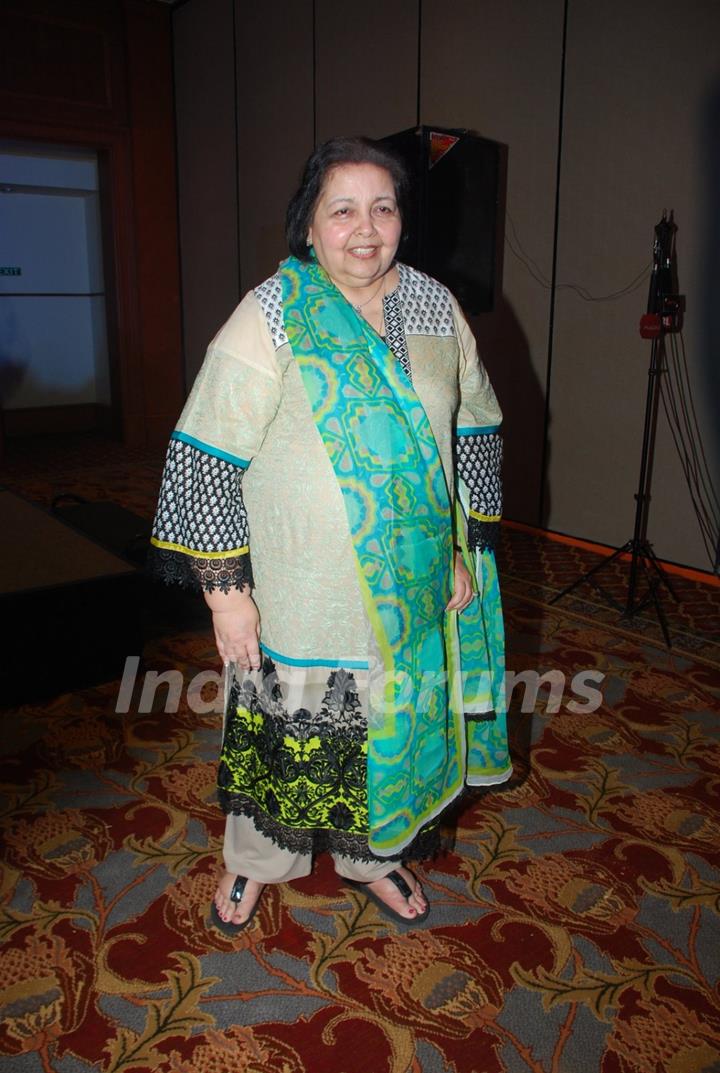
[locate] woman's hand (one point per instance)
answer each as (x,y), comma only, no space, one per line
(463,588)
(236,623)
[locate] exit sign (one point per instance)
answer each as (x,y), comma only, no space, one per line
(10,270)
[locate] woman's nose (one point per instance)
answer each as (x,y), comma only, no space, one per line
(365,224)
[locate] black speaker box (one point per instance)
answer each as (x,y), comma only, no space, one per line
(453,219)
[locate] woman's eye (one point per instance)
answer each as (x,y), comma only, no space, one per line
(385,210)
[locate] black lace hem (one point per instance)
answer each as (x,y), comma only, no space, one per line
(202,575)
(428,843)
(481,717)
(482,535)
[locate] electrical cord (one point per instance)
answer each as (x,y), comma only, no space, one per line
(705,531)
(692,424)
(679,408)
(688,433)
(538,275)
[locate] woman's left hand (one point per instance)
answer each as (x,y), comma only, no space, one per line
(463,588)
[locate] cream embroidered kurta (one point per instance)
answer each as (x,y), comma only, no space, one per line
(250,480)
(250,399)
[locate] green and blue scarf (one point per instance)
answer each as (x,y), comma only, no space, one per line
(385,458)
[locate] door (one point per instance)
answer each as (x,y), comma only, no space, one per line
(54,365)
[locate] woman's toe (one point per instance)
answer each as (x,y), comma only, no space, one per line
(240,911)
(417,899)
(227,909)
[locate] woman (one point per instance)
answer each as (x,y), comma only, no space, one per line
(339,416)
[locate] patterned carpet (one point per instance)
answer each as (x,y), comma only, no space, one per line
(574,925)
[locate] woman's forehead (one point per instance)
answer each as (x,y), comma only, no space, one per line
(352,180)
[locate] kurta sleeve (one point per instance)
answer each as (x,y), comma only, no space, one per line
(201,533)
(478,443)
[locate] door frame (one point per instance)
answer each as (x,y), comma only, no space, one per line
(119,262)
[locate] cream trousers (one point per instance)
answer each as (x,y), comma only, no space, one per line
(249,853)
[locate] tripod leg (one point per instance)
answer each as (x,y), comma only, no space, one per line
(662,574)
(650,597)
(660,613)
(642,496)
(589,573)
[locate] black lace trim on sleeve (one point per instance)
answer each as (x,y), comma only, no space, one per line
(482,535)
(201,509)
(207,575)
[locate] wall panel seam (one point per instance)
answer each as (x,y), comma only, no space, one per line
(553,277)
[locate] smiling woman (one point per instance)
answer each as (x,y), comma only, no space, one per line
(355,232)
(344,433)
(348,212)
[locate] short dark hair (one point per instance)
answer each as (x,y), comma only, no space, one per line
(327,156)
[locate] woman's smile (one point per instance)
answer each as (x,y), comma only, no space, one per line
(356,227)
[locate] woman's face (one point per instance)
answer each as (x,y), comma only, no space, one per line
(356,226)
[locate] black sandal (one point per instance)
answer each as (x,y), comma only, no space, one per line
(401,884)
(236,894)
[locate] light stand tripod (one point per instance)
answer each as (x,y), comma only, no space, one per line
(663,315)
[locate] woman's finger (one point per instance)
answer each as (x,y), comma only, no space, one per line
(253,654)
(247,656)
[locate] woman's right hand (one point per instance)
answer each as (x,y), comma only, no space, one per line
(236,622)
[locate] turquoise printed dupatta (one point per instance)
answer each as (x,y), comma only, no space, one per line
(383,452)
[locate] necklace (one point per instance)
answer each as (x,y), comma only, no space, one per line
(359,308)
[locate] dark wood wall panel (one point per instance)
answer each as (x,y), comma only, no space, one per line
(495,68)
(207,170)
(275,125)
(66,59)
(99,75)
(366,67)
(151,105)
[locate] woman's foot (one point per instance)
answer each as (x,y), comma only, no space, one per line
(398,895)
(235,902)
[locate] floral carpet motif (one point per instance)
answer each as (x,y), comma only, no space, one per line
(574,924)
